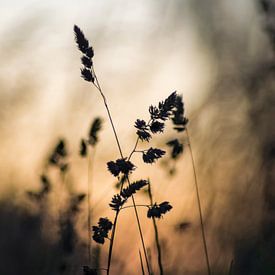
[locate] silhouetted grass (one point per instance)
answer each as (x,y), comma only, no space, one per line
(26,249)
(176,146)
(170,108)
(156,232)
(141,263)
(88,149)
(199,207)
(68,212)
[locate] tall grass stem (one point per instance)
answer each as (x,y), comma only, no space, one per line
(89,197)
(121,154)
(141,263)
(156,232)
(199,206)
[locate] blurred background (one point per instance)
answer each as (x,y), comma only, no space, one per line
(218,54)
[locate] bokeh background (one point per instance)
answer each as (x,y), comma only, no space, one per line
(218,54)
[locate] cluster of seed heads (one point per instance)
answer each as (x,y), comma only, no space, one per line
(67,231)
(58,156)
(87,57)
(92,138)
(171,108)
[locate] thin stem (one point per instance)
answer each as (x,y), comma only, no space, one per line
(156,232)
(140,151)
(141,263)
(137,205)
(112,243)
(150,259)
(89,211)
(134,150)
(135,208)
(136,144)
(109,114)
(89,195)
(140,233)
(116,216)
(199,206)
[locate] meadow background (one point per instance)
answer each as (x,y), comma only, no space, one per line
(218,54)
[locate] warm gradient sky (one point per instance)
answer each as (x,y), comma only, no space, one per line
(144,50)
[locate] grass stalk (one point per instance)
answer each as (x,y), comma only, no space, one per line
(89,209)
(133,200)
(156,232)
(141,263)
(199,206)
(141,235)
(112,243)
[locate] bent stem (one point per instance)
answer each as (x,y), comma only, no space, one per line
(156,232)
(97,85)
(199,206)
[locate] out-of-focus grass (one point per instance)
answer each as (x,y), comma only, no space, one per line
(231,129)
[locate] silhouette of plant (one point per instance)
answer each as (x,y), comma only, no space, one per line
(180,125)
(101,231)
(176,148)
(165,110)
(58,156)
(180,122)
(155,230)
(199,206)
(67,214)
(41,195)
(68,236)
(67,222)
(141,263)
(88,148)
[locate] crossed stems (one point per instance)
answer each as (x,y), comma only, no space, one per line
(97,85)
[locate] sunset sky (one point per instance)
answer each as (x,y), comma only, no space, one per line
(144,50)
